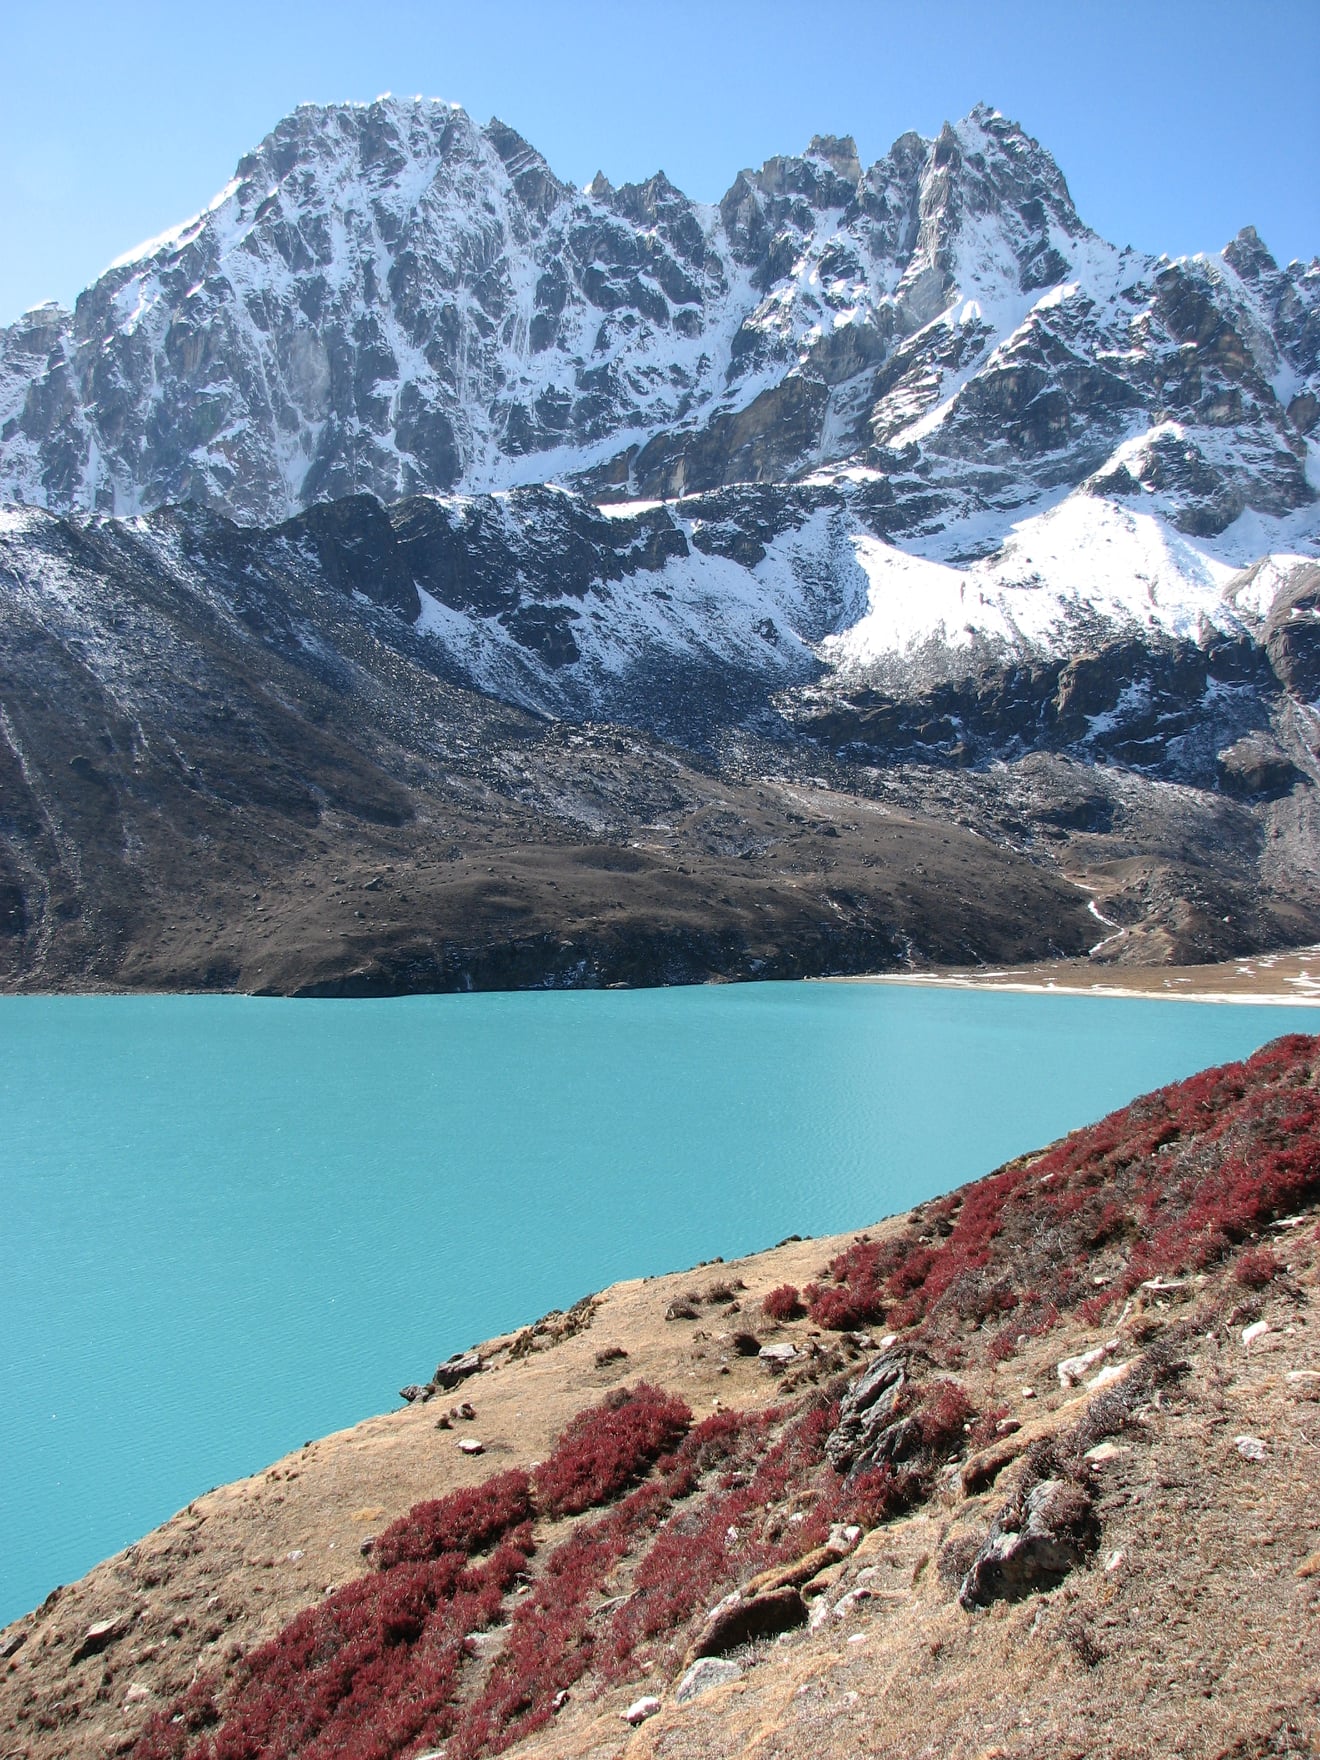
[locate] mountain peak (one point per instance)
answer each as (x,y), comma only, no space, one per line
(839,152)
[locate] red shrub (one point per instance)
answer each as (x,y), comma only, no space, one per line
(874,1497)
(986,1428)
(1256,1267)
(465,1522)
(783,1303)
(944,1410)
(1003,1345)
(609,1447)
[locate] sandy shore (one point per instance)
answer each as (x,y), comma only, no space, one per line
(1292,978)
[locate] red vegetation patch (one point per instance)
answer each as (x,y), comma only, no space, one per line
(783,1303)
(609,1447)
(557,1633)
(1256,1267)
(943,1416)
(364,1673)
(464,1522)
(1168,1184)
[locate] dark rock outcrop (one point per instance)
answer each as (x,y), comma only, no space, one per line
(1033,1543)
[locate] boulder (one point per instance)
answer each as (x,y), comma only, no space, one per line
(641,1709)
(708,1672)
(866,1433)
(98,1635)
(739,1621)
(1073,1370)
(456,1369)
(1032,1545)
(777,1356)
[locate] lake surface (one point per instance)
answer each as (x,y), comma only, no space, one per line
(230,1225)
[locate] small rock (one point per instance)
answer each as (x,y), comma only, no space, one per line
(777,1355)
(294,1556)
(846,1603)
(100,1633)
(1251,1448)
(1103,1452)
(560,1699)
(411,1392)
(707,1672)
(456,1369)
(1113,1561)
(1250,1334)
(641,1709)
(1074,1369)
(136,1694)
(470,1445)
(843,1537)
(467,1411)
(1108,1375)
(1028,1393)
(11,1645)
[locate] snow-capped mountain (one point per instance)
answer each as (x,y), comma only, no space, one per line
(900,474)
(390,299)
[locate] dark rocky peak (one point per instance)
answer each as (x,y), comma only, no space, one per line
(659,206)
(31,342)
(1247,255)
(377,140)
(539,190)
(1287,299)
(888,196)
(820,180)
(985,176)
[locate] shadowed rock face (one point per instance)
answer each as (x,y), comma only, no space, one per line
(363,752)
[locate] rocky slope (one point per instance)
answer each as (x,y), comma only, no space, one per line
(1066,1505)
(899,483)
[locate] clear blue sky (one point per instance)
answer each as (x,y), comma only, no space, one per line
(1175,121)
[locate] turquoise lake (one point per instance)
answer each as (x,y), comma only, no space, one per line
(230,1225)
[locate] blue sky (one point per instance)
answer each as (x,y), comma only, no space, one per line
(1175,123)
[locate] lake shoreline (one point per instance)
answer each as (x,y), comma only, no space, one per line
(1288,979)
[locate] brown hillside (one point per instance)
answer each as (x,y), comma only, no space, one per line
(917,1527)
